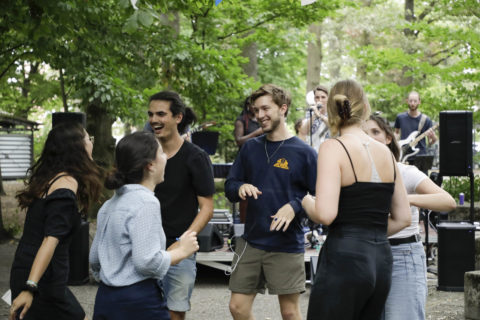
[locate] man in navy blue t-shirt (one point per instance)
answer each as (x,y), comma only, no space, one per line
(273,172)
(413,120)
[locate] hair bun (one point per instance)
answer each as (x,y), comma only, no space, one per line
(343,106)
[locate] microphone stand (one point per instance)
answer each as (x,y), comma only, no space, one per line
(311,127)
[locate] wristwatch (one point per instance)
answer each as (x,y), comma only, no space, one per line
(31,286)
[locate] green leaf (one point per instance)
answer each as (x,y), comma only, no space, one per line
(131,25)
(145,18)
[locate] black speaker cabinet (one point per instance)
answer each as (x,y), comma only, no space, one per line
(210,238)
(455,143)
(456,254)
(79,250)
(207,140)
(61,117)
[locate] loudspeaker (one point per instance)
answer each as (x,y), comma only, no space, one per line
(207,140)
(78,252)
(456,254)
(455,143)
(61,117)
(210,238)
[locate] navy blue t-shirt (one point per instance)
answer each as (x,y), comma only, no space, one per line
(292,172)
(408,124)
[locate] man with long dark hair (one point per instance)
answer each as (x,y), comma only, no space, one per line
(186,195)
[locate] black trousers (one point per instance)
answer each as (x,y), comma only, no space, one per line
(353,274)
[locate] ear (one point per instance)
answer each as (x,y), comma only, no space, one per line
(179,117)
(283,109)
(388,140)
(150,167)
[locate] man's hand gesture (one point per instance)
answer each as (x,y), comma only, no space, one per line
(248,190)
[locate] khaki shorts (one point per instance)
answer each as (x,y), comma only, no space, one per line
(280,272)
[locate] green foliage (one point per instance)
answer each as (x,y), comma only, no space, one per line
(457,185)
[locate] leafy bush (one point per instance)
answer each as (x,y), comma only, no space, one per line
(456,185)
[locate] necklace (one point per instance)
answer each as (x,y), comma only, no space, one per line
(266,152)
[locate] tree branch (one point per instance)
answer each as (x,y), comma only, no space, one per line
(440,61)
(427,10)
(250,28)
(11,63)
(443,51)
(12,48)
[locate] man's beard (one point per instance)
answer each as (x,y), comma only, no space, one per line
(273,127)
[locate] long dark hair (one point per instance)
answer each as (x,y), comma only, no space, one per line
(383,124)
(132,154)
(64,151)
(177,106)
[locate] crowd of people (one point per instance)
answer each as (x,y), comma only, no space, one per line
(344,171)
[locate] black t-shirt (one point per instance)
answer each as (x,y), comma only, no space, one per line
(188,174)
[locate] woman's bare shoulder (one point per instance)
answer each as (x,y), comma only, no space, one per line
(65,181)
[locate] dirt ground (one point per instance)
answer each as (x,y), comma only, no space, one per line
(441,305)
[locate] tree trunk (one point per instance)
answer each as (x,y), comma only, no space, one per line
(171,19)
(2,190)
(361,67)
(62,90)
(249,51)
(334,45)
(4,235)
(99,124)
(409,34)
(314,57)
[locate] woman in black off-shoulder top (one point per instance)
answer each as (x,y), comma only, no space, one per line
(63,179)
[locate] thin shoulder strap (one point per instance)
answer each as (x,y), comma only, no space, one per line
(394,168)
(52,182)
(348,154)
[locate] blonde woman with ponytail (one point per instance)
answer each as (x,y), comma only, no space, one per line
(361,197)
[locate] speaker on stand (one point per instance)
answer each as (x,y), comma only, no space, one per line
(61,117)
(456,240)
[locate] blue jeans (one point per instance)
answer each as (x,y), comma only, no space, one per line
(408,292)
(178,284)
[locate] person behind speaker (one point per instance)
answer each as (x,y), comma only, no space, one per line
(408,292)
(186,194)
(361,198)
(63,182)
(413,120)
(317,126)
(273,172)
(128,252)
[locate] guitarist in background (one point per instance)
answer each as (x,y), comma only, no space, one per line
(414,120)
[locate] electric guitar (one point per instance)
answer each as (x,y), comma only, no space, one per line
(188,135)
(202,127)
(407,145)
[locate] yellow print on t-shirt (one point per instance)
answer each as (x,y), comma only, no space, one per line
(281,163)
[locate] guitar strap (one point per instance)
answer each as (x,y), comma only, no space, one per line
(423,119)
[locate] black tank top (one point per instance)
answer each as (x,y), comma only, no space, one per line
(364,203)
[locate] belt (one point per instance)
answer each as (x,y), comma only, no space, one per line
(411,239)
